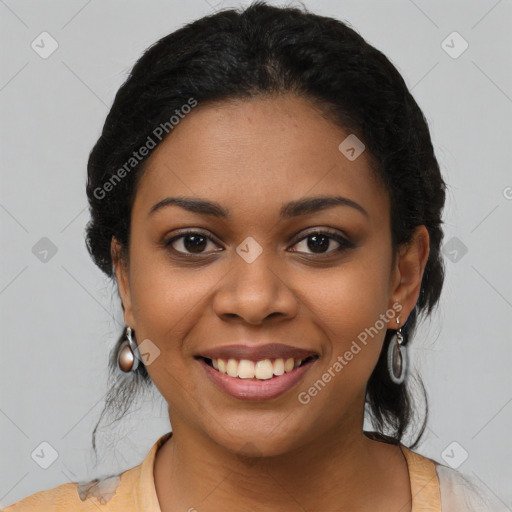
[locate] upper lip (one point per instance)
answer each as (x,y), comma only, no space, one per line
(257,353)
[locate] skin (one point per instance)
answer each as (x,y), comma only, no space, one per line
(252,156)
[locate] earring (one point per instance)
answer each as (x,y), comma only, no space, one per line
(398,363)
(128,355)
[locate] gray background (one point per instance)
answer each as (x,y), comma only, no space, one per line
(60,316)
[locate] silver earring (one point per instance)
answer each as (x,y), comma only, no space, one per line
(128,355)
(398,363)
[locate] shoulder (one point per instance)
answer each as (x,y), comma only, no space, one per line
(433,483)
(462,492)
(111,494)
(130,491)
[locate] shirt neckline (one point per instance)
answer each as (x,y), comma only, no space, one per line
(146,498)
(423,480)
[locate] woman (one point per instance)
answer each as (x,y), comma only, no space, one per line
(266,196)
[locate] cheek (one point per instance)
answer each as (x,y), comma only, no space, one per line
(348,304)
(163,298)
(165,302)
(166,305)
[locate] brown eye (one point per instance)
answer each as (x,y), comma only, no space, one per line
(318,242)
(191,242)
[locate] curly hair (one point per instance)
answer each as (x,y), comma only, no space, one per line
(260,51)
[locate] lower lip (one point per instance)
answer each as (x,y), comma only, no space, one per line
(254,389)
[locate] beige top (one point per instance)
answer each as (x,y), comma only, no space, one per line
(134,490)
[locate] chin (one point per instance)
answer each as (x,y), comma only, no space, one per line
(253,442)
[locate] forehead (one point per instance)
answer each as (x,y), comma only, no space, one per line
(252,155)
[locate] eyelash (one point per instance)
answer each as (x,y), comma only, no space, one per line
(344,243)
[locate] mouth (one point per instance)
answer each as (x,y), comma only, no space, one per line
(256,380)
(257,370)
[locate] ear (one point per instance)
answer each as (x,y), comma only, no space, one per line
(123,281)
(407,274)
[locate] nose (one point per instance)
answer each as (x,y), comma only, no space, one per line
(254,291)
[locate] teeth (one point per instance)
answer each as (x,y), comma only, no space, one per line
(232,368)
(289,364)
(278,367)
(262,370)
(246,369)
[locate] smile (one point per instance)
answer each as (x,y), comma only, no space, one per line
(256,380)
(262,370)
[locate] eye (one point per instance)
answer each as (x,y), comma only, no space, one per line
(189,242)
(318,241)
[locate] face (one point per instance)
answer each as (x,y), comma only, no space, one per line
(315,278)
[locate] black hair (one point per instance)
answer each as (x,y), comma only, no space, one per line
(260,51)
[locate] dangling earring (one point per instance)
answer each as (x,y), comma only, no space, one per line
(128,355)
(397,357)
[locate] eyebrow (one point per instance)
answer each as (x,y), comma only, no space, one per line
(303,206)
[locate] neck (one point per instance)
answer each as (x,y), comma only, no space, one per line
(337,469)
